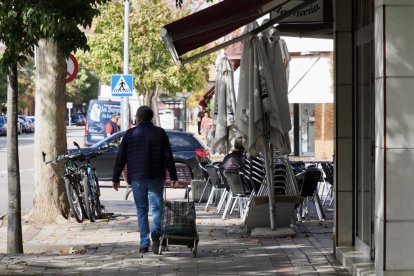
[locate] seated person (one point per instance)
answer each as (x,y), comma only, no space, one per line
(235,159)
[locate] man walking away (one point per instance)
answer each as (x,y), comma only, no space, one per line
(147,151)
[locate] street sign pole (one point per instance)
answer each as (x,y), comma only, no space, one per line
(125,100)
(69,106)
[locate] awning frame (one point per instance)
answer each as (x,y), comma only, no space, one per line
(168,42)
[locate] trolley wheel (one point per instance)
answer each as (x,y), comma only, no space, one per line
(195,248)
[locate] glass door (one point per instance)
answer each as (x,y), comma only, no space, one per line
(364,149)
(307,129)
(364,127)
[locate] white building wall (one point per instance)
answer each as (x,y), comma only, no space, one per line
(394,40)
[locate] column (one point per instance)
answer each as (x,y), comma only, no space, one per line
(394,144)
(343,72)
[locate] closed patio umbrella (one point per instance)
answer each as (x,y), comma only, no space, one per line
(259,114)
(279,57)
(223,131)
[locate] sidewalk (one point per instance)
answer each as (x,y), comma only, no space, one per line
(110,247)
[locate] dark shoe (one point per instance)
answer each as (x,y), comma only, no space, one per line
(155,237)
(143,249)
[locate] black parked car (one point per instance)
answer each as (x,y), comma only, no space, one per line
(186,149)
(78,119)
(3,125)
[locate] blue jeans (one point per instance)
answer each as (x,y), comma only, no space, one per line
(148,191)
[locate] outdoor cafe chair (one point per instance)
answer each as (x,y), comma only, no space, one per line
(280,179)
(280,183)
(329,171)
(254,172)
(206,177)
(224,193)
(237,194)
(298,166)
(218,186)
(308,183)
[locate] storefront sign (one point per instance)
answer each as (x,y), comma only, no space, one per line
(312,13)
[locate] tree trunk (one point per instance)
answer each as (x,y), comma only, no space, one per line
(50,203)
(151,100)
(156,113)
(148,98)
(155,106)
(14,222)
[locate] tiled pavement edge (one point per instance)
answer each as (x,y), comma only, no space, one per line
(110,247)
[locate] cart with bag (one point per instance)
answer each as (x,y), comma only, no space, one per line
(178,225)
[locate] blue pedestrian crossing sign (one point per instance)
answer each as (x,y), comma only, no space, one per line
(122,85)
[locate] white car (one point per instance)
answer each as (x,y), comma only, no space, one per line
(26,126)
(3,126)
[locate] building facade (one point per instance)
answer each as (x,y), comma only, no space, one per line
(373,98)
(374,148)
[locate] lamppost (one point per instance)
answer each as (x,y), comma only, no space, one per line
(125,100)
(184,96)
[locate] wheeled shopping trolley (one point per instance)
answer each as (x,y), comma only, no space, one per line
(178,226)
(189,241)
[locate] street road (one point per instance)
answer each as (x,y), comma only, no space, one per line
(26,152)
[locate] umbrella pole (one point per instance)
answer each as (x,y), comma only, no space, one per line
(268,158)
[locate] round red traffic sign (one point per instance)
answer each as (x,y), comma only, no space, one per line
(71,68)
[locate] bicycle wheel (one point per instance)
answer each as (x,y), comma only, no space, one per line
(95,197)
(87,198)
(75,203)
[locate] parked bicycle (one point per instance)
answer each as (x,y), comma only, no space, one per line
(91,189)
(81,184)
(73,184)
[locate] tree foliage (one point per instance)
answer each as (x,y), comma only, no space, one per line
(83,88)
(64,21)
(24,22)
(57,28)
(150,62)
(15,33)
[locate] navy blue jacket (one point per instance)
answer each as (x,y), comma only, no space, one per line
(147,151)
